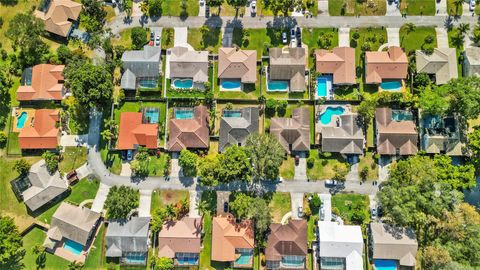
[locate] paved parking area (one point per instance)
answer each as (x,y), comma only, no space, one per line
(297,201)
(145,203)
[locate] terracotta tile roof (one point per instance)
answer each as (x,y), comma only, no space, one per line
(58,17)
(43,132)
(134,132)
(287,240)
(46,83)
(393,135)
(293,131)
(189,133)
(227,235)
(237,64)
(182,236)
(340,62)
(392,64)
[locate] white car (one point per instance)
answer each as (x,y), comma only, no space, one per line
(472,5)
(284,38)
(201,2)
(157,40)
(300,211)
(253,5)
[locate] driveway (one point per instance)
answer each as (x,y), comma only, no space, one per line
(441,7)
(180,36)
(393,36)
(301,168)
(227,37)
(326,205)
(297,201)
(145,203)
(442,37)
(383,168)
(100,198)
(467,41)
(175,167)
(344,37)
(195,197)
(392,9)
(201,9)
(73,140)
(323,8)
(126,169)
(353,173)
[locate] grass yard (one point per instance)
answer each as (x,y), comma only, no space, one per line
(162,198)
(354,7)
(226,10)
(257,39)
(280,204)
(157,165)
(96,257)
(210,40)
(324,167)
(287,170)
(346,92)
(455,42)
(369,161)
(349,206)
(370,135)
(315,38)
(416,40)
(34,238)
(167,38)
(124,39)
(374,37)
(110,13)
(174,8)
(418,7)
(72,158)
(454,10)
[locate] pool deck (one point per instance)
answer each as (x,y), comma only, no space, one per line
(319,109)
(18,111)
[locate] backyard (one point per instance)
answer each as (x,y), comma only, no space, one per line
(280,204)
(33,238)
(352,208)
(418,7)
(455,42)
(417,39)
(354,7)
(249,91)
(324,165)
(72,158)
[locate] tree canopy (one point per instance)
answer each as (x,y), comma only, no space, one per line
(51,160)
(434,100)
(120,201)
(283,6)
(11,248)
(188,161)
(93,15)
(139,37)
(266,156)
(163,263)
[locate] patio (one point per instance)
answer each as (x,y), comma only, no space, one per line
(25,115)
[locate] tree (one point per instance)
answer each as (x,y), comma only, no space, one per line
(139,37)
(237,4)
(92,16)
(266,156)
(421,80)
(474,145)
(121,201)
(476,34)
(366,109)
(434,100)
(215,3)
(241,205)
(283,6)
(235,165)
(188,161)
(163,263)
(155,8)
(341,172)
(459,177)
(209,170)
(409,28)
(144,7)
(75,265)
(22,167)
(457,3)
(435,257)
(465,96)
(260,214)
(463,28)
(51,161)
(11,251)
(128,6)
(158,218)
(63,53)
(3,138)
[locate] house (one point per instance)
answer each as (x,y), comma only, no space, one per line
(340,245)
(396,132)
(471,62)
(442,135)
(43,186)
(72,232)
(187,68)
(59,16)
(442,63)
(127,240)
(293,133)
(42,132)
(393,246)
(238,65)
(42,82)
(232,242)
(288,65)
(236,125)
(181,241)
(340,63)
(287,245)
(134,132)
(189,129)
(141,68)
(386,65)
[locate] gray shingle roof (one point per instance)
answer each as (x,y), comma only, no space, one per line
(142,64)
(127,236)
(288,65)
(188,64)
(235,130)
(346,138)
(294,132)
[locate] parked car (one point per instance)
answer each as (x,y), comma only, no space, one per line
(129,155)
(284,38)
(253,5)
(293,43)
(299,33)
(300,211)
(207,11)
(201,2)
(374,213)
(225,207)
(124,155)
(322,213)
(292,34)
(297,160)
(472,5)
(152,36)
(157,40)
(330,183)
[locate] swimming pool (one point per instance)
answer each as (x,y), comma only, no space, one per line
(21,120)
(391,86)
(148,83)
(151,115)
(244,259)
(324,85)
(231,85)
(72,246)
(401,115)
(135,258)
(183,83)
(277,86)
(187,261)
(231,113)
(385,265)
(184,114)
(326,116)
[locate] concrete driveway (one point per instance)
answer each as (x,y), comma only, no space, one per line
(393,36)
(442,37)
(441,8)
(99,201)
(201,9)
(323,8)
(301,168)
(74,140)
(180,36)
(227,37)
(392,9)
(145,203)
(297,201)
(195,197)
(344,37)
(326,205)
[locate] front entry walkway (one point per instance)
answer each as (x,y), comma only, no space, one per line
(393,36)
(100,198)
(344,37)
(442,37)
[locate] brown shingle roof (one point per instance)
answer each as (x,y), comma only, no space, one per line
(340,62)
(346,137)
(133,132)
(288,65)
(227,235)
(392,64)
(393,135)
(46,84)
(180,236)
(287,240)
(43,132)
(185,63)
(59,15)
(189,133)
(237,64)
(293,131)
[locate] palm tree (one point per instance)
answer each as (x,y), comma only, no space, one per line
(144,7)
(409,28)
(457,3)
(463,28)
(202,207)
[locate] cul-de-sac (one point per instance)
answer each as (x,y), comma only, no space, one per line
(240,134)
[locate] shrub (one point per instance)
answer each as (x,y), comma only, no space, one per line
(364,173)
(3,139)
(121,201)
(429,39)
(310,162)
(51,161)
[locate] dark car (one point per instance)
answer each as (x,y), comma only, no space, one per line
(152,36)
(124,155)
(225,207)
(207,11)
(297,160)
(299,32)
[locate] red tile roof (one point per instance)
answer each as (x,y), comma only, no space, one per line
(134,132)
(47,84)
(43,132)
(340,62)
(392,64)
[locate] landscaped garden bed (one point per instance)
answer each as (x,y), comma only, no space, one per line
(354,7)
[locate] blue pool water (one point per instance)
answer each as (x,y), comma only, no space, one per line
(323,83)
(391,86)
(277,86)
(135,258)
(231,84)
(400,115)
(21,119)
(74,247)
(243,259)
(148,83)
(183,83)
(385,265)
(232,113)
(152,115)
(183,114)
(326,117)
(187,261)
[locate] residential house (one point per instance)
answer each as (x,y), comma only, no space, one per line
(141,68)
(180,240)
(187,68)
(471,62)
(393,246)
(287,245)
(293,133)
(135,131)
(127,240)
(442,63)
(42,132)
(236,125)
(43,186)
(288,65)
(232,242)
(189,129)
(340,246)
(72,231)
(59,16)
(386,65)
(396,132)
(442,135)
(42,82)
(340,63)
(236,65)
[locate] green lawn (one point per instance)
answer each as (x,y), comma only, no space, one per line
(124,40)
(354,7)
(7,12)
(458,44)
(110,13)
(226,10)
(206,252)
(157,165)
(72,158)
(161,198)
(36,237)
(369,162)
(174,8)
(280,204)
(416,40)
(370,135)
(374,37)
(418,7)
(257,39)
(454,10)
(315,38)
(96,257)
(349,205)
(209,41)
(323,167)
(287,170)
(13,147)
(167,38)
